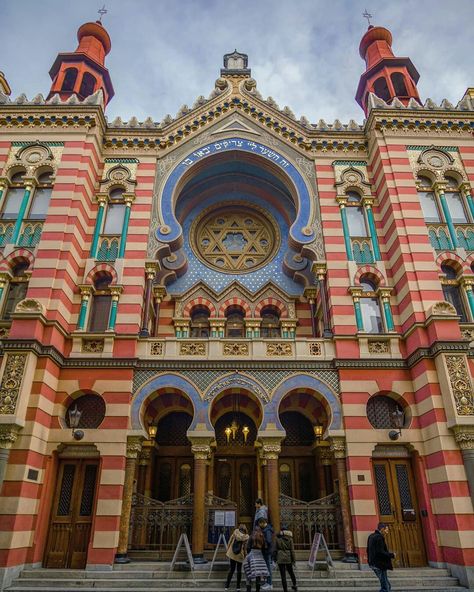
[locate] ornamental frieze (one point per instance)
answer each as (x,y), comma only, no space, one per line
(461,384)
(11,383)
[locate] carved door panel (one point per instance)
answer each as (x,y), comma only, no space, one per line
(398,507)
(236,481)
(72,513)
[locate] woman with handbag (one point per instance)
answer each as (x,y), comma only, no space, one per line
(236,551)
(285,557)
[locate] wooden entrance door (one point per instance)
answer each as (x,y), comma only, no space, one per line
(71,515)
(398,507)
(236,481)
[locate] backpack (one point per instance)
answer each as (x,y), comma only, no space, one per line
(236,547)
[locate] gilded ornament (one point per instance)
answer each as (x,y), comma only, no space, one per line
(192,349)
(338,447)
(92,346)
(464,436)
(134,447)
(379,347)
(315,349)
(11,383)
(279,349)
(236,349)
(460,384)
(156,348)
(8,435)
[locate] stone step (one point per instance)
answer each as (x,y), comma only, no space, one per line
(186,586)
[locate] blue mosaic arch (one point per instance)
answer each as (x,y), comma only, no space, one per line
(301,230)
(302,381)
(173,381)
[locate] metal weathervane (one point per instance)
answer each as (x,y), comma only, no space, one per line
(368,16)
(101,12)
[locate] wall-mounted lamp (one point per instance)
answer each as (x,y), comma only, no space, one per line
(152,429)
(398,421)
(318,431)
(74,419)
(228,432)
(245,432)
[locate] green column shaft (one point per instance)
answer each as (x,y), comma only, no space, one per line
(123,238)
(388,315)
(82,314)
(373,233)
(347,238)
(470,202)
(113,314)
(449,220)
(470,297)
(97,229)
(21,215)
(358,313)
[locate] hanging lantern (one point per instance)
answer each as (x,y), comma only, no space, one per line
(234,427)
(245,432)
(228,432)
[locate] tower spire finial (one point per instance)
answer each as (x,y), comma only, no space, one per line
(368,16)
(101,13)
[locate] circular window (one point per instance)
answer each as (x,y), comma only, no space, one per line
(92,409)
(234,238)
(380,410)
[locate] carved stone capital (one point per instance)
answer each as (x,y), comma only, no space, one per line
(338,447)
(465,188)
(102,199)
(464,436)
(134,446)
(145,456)
(201,451)
(325,455)
(310,293)
(115,292)
(86,291)
(159,292)
(8,435)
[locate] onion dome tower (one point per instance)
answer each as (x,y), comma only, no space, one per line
(386,75)
(83,72)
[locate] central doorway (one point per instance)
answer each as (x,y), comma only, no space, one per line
(235,417)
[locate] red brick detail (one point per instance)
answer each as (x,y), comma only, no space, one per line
(234,302)
(199,302)
(101,267)
(272,302)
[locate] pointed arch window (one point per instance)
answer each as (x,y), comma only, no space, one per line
(399,85)
(17,289)
(235,325)
(270,325)
(69,81)
(101,304)
(381,89)
(370,308)
(200,326)
(452,291)
(455,202)
(87,85)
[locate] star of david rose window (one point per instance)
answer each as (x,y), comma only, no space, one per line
(234,238)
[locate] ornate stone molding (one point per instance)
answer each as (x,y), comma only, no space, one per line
(11,382)
(464,436)
(460,384)
(93,346)
(192,349)
(338,447)
(201,451)
(235,349)
(134,446)
(279,349)
(379,347)
(8,435)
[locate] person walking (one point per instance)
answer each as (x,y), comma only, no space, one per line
(285,557)
(379,557)
(254,565)
(236,551)
(267,550)
(261,511)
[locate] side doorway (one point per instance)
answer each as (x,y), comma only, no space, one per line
(72,513)
(398,507)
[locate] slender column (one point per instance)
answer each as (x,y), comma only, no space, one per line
(385,295)
(464,436)
(126,220)
(115,291)
(201,454)
(102,199)
(356,293)
(21,213)
(150,272)
(86,292)
(3,186)
(345,227)
(260,493)
(310,293)
(271,452)
(439,189)
(368,202)
(134,446)
(8,436)
(466,189)
(210,474)
(159,292)
(467,283)
(338,447)
(143,464)
(325,459)
(4,278)
(321,272)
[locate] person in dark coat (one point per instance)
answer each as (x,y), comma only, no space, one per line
(379,557)
(285,557)
(267,551)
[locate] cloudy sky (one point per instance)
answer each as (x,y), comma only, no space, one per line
(303,53)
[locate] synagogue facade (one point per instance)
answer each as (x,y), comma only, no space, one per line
(234,303)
